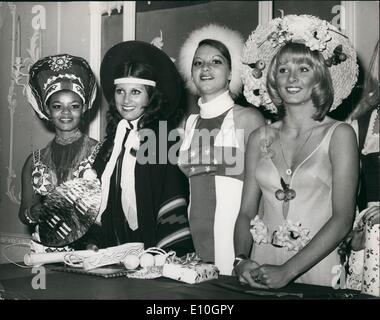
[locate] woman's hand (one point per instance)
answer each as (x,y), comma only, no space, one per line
(272,276)
(35,211)
(372,216)
(358,238)
(245,270)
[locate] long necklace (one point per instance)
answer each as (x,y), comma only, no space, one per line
(289,170)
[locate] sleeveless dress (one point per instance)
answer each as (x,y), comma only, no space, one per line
(216,181)
(46,176)
(312,207)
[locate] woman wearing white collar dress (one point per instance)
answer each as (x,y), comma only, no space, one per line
(144,196)
(212,152)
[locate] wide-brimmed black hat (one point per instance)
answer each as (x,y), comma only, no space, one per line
(168,78)
(60,72)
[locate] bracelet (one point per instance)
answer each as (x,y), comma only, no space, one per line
(238,259)
(28,217)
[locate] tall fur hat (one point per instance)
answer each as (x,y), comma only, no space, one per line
(231,39)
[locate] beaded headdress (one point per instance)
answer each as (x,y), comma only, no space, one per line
(60,72)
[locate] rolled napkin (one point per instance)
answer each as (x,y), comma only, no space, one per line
(86,259)
(38,259)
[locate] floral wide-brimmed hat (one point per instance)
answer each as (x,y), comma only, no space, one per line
(266,41)
(231,39)
(60,72)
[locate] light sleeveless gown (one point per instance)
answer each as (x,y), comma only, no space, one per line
(312,206)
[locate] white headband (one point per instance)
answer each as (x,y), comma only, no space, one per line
(135,80)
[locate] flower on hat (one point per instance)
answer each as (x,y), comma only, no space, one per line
(318,35)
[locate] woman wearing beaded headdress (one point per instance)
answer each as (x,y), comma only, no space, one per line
(212,152)
(303,167)
(144,194)
(60,192)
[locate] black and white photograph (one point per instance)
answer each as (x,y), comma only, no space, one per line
(189,157)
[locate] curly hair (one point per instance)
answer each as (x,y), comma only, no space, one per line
(157,108)
(323,92)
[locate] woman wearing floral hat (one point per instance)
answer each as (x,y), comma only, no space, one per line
(144,194)
(212,152)
(304,167)
(61,89)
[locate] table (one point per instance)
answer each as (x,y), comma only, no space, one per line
(16,283)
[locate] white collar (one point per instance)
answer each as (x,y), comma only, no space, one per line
(216,106)
(134,123)
(127,124)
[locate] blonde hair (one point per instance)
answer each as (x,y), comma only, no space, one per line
(323,92)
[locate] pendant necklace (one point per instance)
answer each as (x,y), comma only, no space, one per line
(289,170)
(286,193)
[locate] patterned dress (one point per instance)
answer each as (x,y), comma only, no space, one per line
(56,164)
(364,264)
(212,156)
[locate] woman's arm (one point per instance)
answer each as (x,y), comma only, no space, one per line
(247,119)
(343,152)
(249,207)
(29,199)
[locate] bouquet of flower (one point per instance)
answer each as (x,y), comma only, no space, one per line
(259,230)
(291,235)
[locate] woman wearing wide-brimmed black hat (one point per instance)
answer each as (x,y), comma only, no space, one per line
(144,194)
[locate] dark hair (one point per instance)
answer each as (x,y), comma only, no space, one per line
(323,92)
(219,46)
(48,123)
(157,107)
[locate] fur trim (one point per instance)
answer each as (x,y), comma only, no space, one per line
(231,39)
